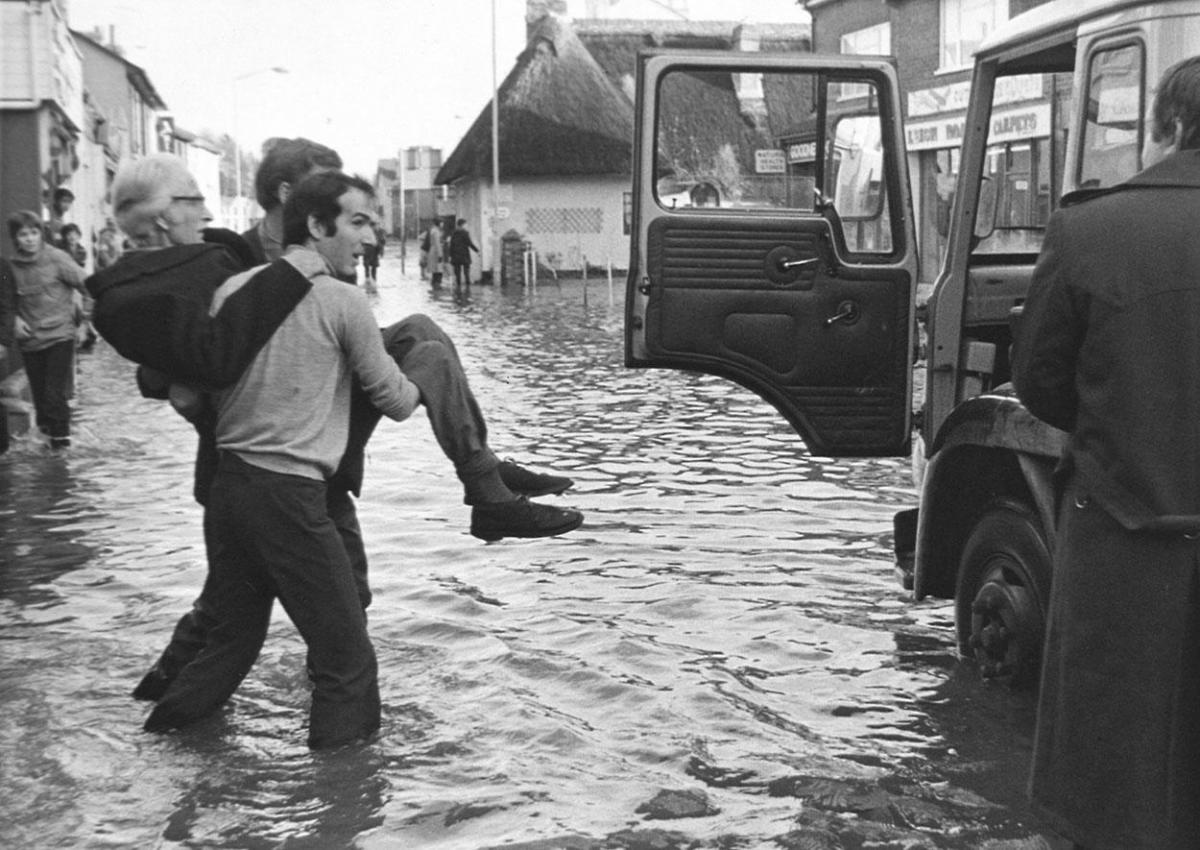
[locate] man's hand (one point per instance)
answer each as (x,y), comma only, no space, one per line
(187,402)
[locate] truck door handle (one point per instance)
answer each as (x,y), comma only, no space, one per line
(798,264)
(847,312)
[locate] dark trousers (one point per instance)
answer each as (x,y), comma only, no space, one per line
(270,536)
(427,356)
(51,377)
(462,272)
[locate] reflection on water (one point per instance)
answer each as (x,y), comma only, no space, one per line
(724,625)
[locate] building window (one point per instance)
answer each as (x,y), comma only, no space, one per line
(965,24)
(872,41)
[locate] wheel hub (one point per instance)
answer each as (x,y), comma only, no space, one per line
(1005,624)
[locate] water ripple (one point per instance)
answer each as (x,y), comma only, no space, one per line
(725,621)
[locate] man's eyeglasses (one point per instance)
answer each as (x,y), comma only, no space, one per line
(194,199)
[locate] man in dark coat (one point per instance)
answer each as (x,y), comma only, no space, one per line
(1109,351)
(461,246)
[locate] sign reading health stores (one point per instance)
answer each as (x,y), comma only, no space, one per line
(1024,122)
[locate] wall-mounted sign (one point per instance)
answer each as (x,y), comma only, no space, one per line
(802,152)
(954,96)
(770,161)
(1026,122)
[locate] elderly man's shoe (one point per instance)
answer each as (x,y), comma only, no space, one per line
(526,482)
(521,518)
(153,685)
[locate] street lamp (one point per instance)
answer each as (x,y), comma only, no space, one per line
(237,147)
(495,155)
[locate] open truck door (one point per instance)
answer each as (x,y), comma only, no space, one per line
(773,240)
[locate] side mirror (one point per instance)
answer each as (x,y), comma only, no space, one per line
(985,215)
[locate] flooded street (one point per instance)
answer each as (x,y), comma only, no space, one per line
(720,657)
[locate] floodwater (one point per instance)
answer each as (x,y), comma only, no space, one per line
(720,657)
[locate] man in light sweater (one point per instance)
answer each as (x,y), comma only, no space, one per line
(497,491)
(281,431)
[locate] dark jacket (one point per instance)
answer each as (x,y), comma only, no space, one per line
(152,307)
(1109,347)
(8,303)
(49,285)
(461,247)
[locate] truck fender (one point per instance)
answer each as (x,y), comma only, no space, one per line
(990,448)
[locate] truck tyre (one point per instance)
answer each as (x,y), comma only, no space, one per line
(1003,593)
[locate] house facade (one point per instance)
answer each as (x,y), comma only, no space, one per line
(125,121)
(42,115)
(934,42)
(566,137)
(405,188)
(71,108)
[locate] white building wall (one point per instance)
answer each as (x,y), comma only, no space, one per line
(205,166)
(569,220)
(90,185)
(566,219)
(39,60)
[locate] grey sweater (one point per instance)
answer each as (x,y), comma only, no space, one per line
(290,411)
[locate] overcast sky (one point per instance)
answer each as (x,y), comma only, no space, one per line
(367,77)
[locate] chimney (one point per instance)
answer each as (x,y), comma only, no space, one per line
(535,10)
(747,38)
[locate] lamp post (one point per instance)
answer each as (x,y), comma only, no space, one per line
(237,147)
(495,155)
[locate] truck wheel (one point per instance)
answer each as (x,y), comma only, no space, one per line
(1002,595)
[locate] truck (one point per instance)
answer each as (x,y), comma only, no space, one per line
(773,243)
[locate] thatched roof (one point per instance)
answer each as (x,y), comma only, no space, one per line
(567,105)
(559,114)
(614,43)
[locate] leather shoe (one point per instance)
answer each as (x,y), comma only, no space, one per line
(521,518)
(526,482)
(153,685)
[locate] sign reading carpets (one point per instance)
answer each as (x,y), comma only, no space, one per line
(1025,122)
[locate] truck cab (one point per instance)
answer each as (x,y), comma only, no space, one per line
(773,244)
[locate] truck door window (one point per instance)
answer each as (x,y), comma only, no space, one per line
(734,142)
(1112,140)
(1023,167)
(854,182)
(1014,205)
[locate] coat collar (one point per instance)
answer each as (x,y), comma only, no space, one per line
(135,265)
(1180,170)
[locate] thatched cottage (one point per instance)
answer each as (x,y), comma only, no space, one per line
(566,136)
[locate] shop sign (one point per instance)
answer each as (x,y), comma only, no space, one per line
(926,135)
(954,96)
(1030,122)
(802,152)
(1027,122)
(769,161)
